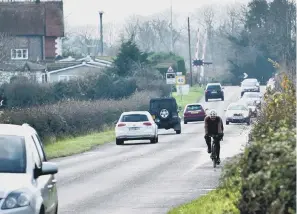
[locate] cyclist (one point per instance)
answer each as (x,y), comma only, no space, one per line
(213,126)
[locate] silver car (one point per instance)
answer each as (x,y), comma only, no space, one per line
(237,113)
(252,100)
(27,180)
(249,84)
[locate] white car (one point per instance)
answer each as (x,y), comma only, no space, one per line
(252,100)
(238,113)
(136,125)
(249,84)
(28,183)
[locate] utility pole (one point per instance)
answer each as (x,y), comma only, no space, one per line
(101,33)
(171,29)
(190,55)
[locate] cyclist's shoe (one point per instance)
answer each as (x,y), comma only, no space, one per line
(218,161)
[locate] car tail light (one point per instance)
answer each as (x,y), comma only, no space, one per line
(147,123)
(121,124)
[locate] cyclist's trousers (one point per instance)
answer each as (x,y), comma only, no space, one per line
(217,141)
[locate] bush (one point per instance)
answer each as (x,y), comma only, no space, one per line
(27,94)
(73,118)
(269,163)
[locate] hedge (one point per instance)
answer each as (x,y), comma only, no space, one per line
(73,118)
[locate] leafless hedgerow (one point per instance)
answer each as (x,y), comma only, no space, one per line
(5,44)
(73,118)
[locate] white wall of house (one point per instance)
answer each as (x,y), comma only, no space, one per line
(72,73)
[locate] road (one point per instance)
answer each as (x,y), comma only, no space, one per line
(146,178)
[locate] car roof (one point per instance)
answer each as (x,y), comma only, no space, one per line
(165,98)
(135,112)
(236,104)
(17,130)
(194,104)
(215,83)
(250,80)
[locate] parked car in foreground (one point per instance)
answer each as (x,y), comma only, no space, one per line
(249,85)
(214,91)
(136,125)
(28,183)
(194,112)
(165,113)
(237,113)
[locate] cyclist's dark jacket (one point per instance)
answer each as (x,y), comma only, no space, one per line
(213,126)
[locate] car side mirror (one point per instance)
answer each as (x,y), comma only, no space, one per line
(48,168)
(225,109)
(115,122)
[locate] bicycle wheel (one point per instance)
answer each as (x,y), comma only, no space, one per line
(214,156)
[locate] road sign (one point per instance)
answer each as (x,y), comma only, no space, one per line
(180,80)
(170,70)
(245,75)
(179,73)
(182,89)
(170,78)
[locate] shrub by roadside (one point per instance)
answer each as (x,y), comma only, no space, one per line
(262,180)
(74,118)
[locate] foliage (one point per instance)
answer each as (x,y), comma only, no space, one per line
(162,61)
(93,87)
(269,32)
(269,163)
(128,55)
(73,118)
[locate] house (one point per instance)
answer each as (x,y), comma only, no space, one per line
(79,70)
(33,30)
(32,71)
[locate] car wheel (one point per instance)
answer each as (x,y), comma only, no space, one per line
(248,122)
(56,212)
(157,139)
(119,142)
(178,131)
(222,98)
(154,140)
(227,122)
(185,122)
(206,99)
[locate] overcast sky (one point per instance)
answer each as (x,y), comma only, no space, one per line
(82,12)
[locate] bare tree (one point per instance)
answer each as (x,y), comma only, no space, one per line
(5,45)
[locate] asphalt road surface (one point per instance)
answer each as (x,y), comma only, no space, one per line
(147,178)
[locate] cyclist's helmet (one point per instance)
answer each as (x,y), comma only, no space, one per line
(213,113)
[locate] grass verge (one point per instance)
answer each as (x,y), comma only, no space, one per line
(219,201)
(76,145)
(193,96)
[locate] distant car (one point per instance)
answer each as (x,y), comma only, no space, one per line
(270,84)
(165,113)
(136,125)
(249,85)
(214,91)
(238,113)
(194,112)
(253,101)
(28,183)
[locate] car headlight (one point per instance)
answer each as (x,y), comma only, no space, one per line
(15,200)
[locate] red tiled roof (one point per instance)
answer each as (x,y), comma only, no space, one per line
(29,18)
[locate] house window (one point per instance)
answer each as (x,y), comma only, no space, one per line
(67,77)
(19,54)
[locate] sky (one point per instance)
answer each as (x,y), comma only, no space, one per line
(86,12)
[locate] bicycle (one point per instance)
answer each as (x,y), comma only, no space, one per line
(214,156)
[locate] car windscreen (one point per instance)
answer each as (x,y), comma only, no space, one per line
(213,87)
(157,105)
(249,83)
(12,154)
(134,118)
(237,107)
(194,107)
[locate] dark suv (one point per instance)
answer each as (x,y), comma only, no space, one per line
(165,113)
(214,91)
